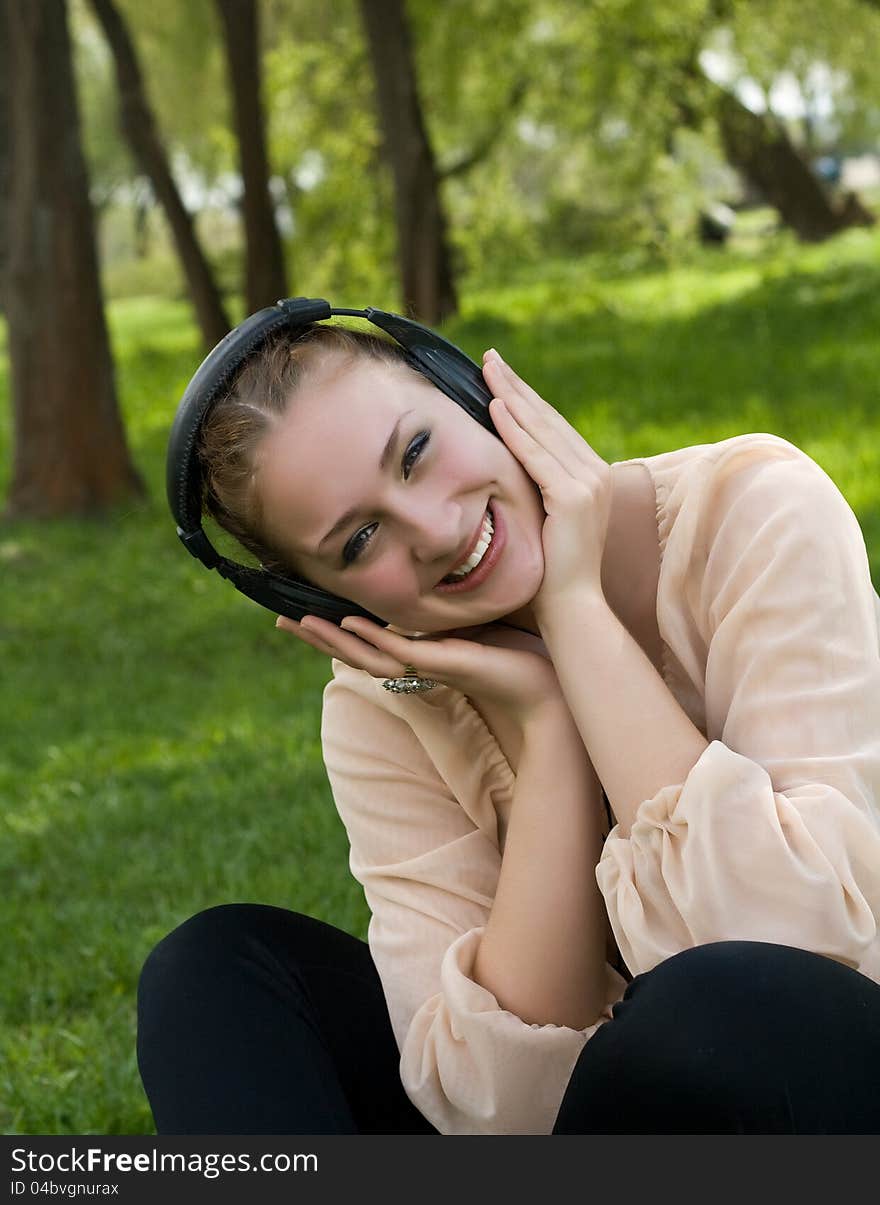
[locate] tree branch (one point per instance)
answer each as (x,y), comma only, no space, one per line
(484,145)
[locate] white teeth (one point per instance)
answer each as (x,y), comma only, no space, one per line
(488,530)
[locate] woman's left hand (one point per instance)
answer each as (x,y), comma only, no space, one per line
(575,483)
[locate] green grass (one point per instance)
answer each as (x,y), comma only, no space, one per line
(161,745)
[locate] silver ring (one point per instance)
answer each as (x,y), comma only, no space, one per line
(410,683)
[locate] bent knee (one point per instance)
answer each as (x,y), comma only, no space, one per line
(729,1002)
(754,971)
(210,937)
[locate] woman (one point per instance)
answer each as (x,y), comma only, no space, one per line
(696,632)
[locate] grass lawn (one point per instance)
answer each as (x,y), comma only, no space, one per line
(160,742)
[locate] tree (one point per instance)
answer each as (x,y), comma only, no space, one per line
(758,144)
(264,273)
(4,153)
(69,453)
(425,265)
(630,107)
(760,148)
(139,128)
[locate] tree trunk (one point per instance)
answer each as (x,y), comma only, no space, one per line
(425,266)
(139,128)
(760,148)
(5,101)
(264,275)
(70,454)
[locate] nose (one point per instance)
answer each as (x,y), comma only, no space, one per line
(432,530)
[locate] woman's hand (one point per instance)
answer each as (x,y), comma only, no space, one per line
(492,661)
(575,483)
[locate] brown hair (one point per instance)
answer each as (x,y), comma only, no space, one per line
(259,396)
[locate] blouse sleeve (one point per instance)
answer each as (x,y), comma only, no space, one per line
(429,877)
(774,835)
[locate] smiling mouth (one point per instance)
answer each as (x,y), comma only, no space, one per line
(476,575)
(480,546)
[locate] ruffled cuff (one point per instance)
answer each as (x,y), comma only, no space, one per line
(472,1067)
(649,919)
(723,856)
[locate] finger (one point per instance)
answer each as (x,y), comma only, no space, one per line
(304,634)
(542,465)
(541,419)
(317,643)
(515,384)
(517,388)
(501,380)
(554,433)
(369,646)
(347,647)
(401,648)
(436,658)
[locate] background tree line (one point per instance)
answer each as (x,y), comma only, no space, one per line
(379,149)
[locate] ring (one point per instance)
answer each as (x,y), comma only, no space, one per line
(410,683)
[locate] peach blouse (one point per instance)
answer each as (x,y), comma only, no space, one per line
(771,644)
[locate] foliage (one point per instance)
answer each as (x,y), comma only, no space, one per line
(325,147)
(823,51)
(590,125)
(161,740)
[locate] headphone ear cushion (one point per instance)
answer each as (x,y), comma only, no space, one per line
(444,364)
(214,374)
(182,478)
(458,377)
(292,598)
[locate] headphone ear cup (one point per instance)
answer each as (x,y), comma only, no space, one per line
(182,475)
(456,375)
(444,364)
(291,598)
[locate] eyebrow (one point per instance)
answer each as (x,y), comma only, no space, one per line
(353,511)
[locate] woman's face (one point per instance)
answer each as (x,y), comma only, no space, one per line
(409,517)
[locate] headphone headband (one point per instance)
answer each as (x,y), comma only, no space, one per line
(444,364)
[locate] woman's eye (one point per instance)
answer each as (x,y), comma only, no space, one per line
(414,451)
(357,544)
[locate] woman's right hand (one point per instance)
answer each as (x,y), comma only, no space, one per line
(492,661)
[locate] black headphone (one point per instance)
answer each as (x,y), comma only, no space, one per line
(445,365)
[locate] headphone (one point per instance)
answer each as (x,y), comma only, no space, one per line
(444,365)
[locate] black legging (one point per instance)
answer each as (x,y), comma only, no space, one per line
(256,1020)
